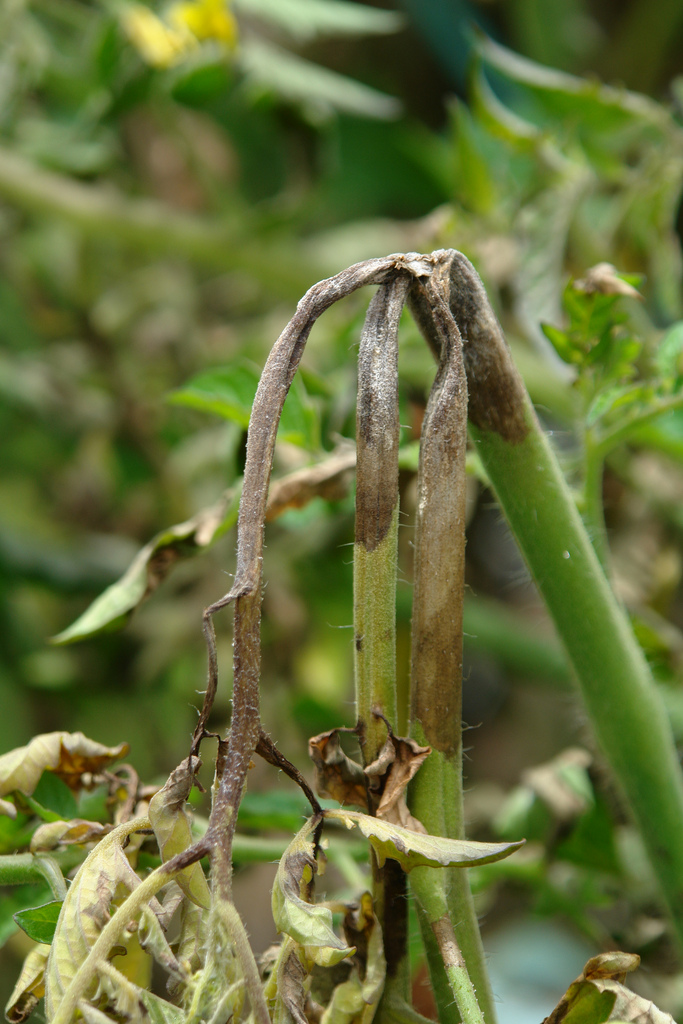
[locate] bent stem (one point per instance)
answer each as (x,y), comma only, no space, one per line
(436,668)
(623,703)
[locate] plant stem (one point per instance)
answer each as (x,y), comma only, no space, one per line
(437,637)
(592,511)
(374,588)
(620,696)
(430,890)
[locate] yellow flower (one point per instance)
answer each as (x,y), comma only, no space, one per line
(206,19)
(159,43)
(164,42)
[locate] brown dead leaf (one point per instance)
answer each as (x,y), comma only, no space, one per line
(329,479)
(603,278)
(398,761)
(68,755)
(336,775)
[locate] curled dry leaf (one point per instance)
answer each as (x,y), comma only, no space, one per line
(599,995)
(8,809)
(173,830)
(336,775)
(30,986)
(68,754)
(605,279)
(398,761)
(328,479)
(76,832)
(415,849)
(290,998)
(104,878)
(294,914)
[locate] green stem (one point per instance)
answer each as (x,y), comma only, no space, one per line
(23,868)
(621,698)
(429,887)
(592,505)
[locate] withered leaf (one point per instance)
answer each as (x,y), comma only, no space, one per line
(599,995)
(173,830)
(290,999)
(68,755)
(8,809)
(102,880)
(76,832)
(310,924)
(414,849)
(336,775)
(30,986)
(327,479)
(605,279)
(355,1000)
(563,783)
(398,761)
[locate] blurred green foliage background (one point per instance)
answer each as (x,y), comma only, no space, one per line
(166,198)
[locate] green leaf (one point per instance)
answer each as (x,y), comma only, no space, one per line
(669,357)
(476,187)
(589,1005)
(39,923)
(200,79)
(113,607)
(562,343)
(498,119)
(17,899)
(318,89)
(310,924)
(303,20)
(617,398)
(160,1011)
(579,99)
(414,849)
(228,391)
(54,794)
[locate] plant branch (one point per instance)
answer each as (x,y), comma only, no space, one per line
(437,634)
(620,696)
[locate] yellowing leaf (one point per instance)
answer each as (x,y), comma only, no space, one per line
(599,995)
(67,754)
(173,830)
(103,878)
(413,849)
(308,923)
(30,987)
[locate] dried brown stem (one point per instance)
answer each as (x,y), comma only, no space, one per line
(440,541)
(266,749)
